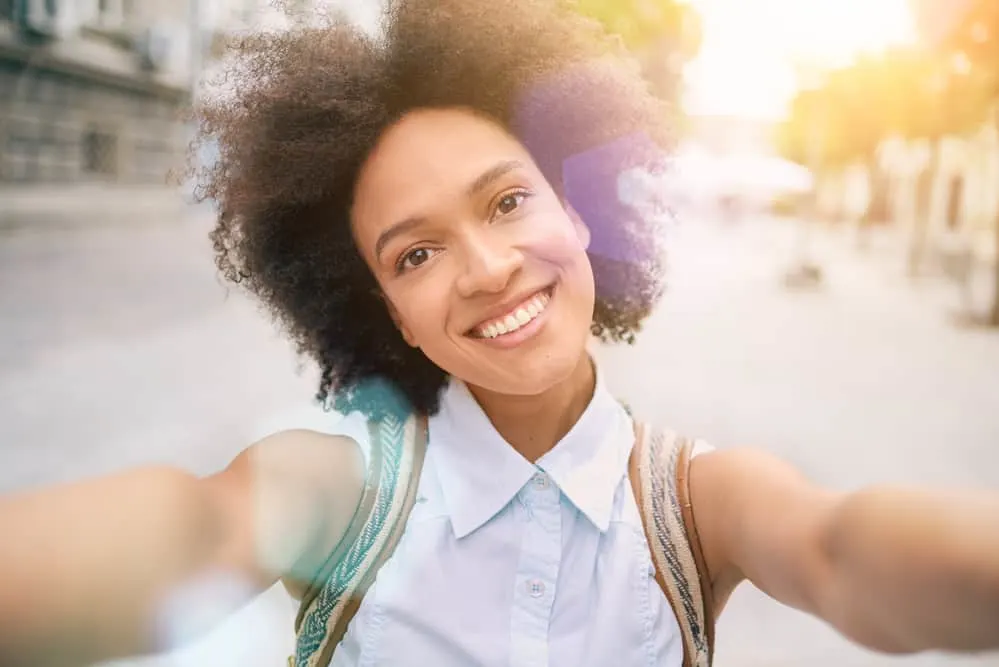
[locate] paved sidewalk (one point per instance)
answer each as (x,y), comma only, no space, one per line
(49,208)
(883,255)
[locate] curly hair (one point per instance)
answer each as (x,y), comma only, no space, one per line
(304,108)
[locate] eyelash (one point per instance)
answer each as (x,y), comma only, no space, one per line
(523,193)
(401,267)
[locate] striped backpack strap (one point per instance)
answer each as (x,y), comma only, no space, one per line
(396,456)
(658,470)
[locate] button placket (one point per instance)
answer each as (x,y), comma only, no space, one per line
(537,571)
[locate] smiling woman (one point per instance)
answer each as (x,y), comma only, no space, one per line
(328,147)
(483,242)
(434,217)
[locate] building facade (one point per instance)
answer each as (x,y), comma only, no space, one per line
(96,90)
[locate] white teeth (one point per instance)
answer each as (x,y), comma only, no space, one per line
(524,314)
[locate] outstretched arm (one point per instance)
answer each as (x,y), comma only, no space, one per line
(896,570)
(102,569)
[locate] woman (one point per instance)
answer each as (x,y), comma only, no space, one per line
(431,209)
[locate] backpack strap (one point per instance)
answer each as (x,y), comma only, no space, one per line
(659,472)
(396,458)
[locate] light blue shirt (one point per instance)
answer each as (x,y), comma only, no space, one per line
(504,562)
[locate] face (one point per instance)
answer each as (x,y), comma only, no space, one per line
(479,262)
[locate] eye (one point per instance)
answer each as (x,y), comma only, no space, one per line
(413,259)
(511,201)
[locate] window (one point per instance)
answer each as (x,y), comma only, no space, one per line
(100,152)
(110,14)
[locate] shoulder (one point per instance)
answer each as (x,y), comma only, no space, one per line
(302,487)
(721,477)
(330,461)
(307,486)
(311,445)
(752,507)
(311,426)
(721,482)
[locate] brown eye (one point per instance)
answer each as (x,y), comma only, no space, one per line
(417,257)
(510,202)
(413,259)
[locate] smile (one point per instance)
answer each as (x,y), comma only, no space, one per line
(517,318)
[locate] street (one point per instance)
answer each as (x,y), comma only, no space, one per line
(119,347)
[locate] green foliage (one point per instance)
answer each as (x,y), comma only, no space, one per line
(966,27)
(663,34)
(965,32)
(944,86)
(644,23)
(904,92)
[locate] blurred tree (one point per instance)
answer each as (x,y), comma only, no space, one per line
(964,28)
(663,34)
(903,92)
(906,92)
(967,33)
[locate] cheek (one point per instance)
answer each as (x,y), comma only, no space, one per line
(558,238)
(565,249)
(420,311)
(564,252)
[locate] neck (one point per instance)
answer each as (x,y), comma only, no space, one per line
(533,425)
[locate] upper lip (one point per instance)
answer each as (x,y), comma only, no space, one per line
(508,305)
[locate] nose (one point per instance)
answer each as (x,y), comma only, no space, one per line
(489,265)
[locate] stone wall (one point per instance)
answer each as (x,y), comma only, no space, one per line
(66,122)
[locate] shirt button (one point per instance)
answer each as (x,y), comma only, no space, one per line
(535,588)
(541,481)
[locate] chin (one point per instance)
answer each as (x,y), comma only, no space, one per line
(527,362)
(534,374)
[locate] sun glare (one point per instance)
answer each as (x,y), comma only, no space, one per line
(755,52)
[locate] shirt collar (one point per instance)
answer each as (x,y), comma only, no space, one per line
(480,473)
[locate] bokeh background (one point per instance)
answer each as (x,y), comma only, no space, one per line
(833,297)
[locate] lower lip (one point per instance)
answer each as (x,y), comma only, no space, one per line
(524,333)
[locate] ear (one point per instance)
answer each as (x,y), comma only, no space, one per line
(582,231)
(407,335)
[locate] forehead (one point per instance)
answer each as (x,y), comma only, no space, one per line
(425,157)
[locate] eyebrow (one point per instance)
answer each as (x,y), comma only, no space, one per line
(483,181)
(492,175)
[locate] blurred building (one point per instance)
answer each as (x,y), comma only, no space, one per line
(941,194)
(91,90)
(947,192)
(94,91)
(951,185)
